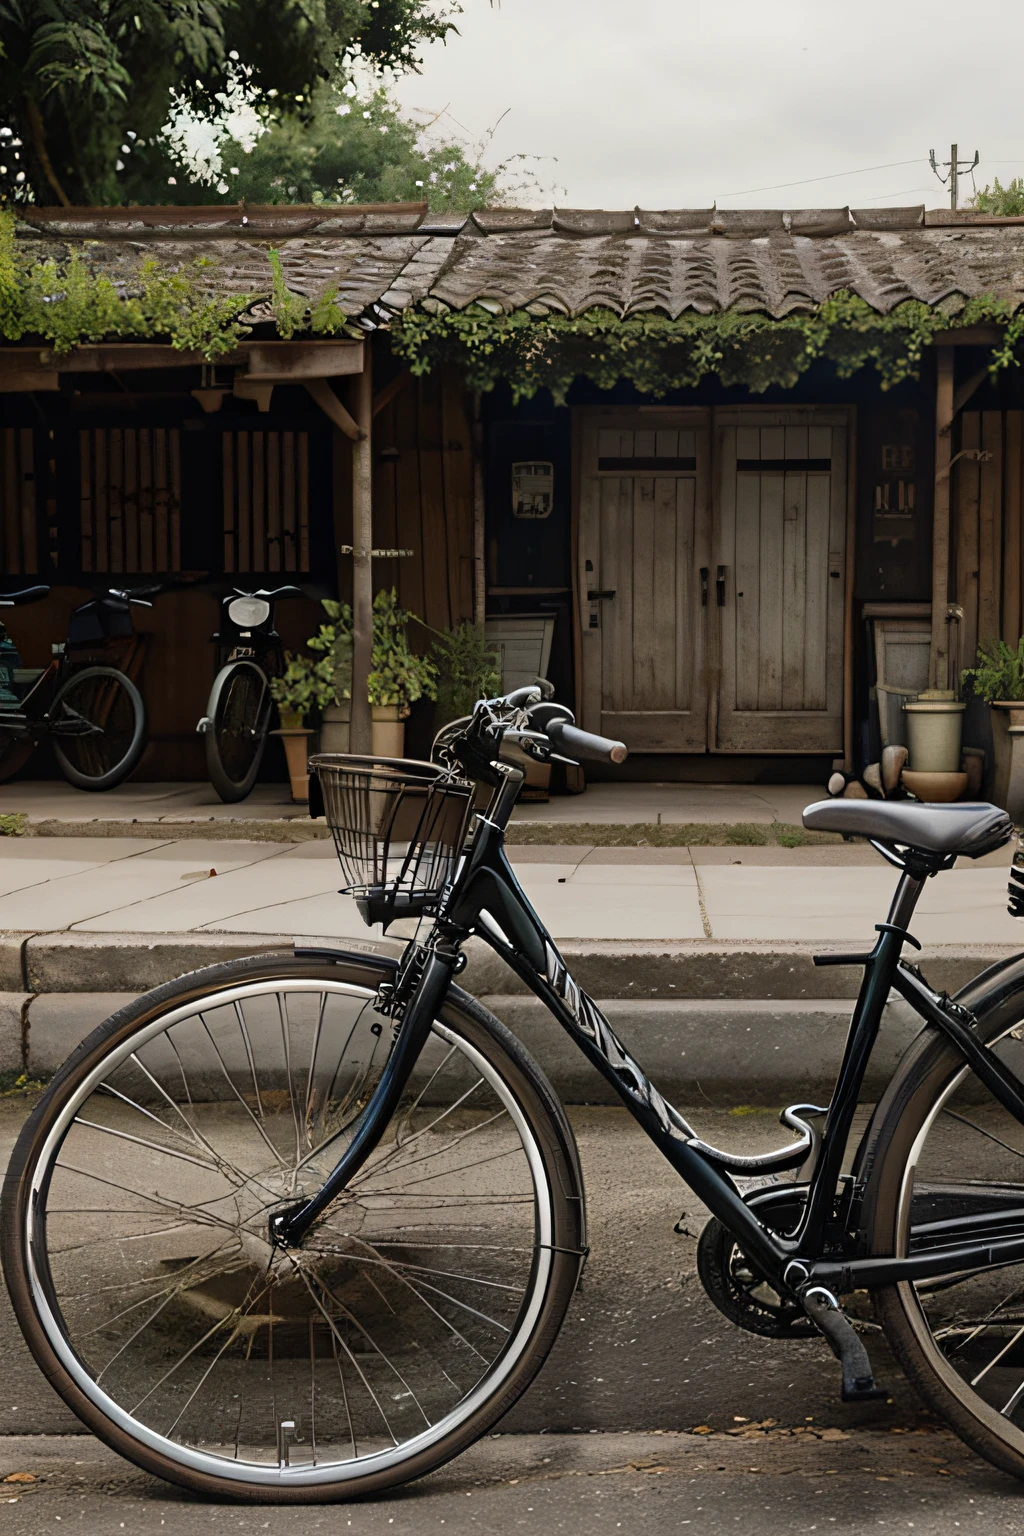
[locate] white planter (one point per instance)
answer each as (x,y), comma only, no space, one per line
(388,730)
(934,728)
(1008,755)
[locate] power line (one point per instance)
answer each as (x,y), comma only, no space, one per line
(833,176)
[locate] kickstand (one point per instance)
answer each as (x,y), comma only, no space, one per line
(827,1315)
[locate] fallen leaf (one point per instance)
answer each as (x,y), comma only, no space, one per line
(21,1477)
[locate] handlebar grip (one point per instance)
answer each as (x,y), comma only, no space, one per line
(579,743)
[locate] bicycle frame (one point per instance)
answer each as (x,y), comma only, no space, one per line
(487,899)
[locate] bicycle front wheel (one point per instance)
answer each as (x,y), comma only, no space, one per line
(239,716)
(136,1234)
(98,727)
(945,1165)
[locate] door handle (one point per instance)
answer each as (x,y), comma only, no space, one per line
(703,586)
(593,597)
(720,586)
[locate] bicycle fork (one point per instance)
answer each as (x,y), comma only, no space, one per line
(435,966)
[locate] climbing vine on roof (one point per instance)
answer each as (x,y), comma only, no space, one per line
(65,303)
(657,354)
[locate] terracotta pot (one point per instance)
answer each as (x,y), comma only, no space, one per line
(296,751)
(934,788)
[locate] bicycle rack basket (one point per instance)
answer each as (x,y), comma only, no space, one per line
(399,828)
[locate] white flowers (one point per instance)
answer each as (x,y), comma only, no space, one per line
(172,181)
(343,111)
(119,166)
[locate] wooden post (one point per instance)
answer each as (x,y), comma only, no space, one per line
(479,547)
(940,518)
(361,731)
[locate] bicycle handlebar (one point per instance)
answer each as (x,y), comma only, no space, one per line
(576,743)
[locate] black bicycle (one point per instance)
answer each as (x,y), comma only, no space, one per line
(240,706)
(91,711)
(304,1226)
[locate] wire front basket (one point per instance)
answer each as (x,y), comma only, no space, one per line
(399,828)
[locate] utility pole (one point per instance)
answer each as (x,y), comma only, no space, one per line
(952,165)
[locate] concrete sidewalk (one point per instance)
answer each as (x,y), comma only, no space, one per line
(615,803)
(739,895)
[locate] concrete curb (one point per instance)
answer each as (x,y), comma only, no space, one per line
(722,1053)
(121,962)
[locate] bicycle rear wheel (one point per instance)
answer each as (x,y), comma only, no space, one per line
(942,1150)
(135,1231)
(239,718)
(98,723)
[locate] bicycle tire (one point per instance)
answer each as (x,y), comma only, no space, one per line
(239,714)
(901,1153)
(45,1288)
(15,752)
(111,700)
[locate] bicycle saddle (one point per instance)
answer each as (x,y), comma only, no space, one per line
(26,595)
(970,830)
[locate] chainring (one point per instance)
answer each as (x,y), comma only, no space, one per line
(740,1294)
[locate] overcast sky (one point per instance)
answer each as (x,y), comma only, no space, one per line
(677,103)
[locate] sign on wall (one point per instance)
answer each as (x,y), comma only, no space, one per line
(532,489)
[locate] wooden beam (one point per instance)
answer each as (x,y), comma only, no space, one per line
(965,392)
(331,406)
(479,517)
(303,360)
(970,336)
(384,396)
(939,664)
(361,728)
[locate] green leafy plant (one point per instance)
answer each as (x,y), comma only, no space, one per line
(999,673)
(334,643)
(307,684)
(398,676)
(656,353)
(1003,201)
(467,670)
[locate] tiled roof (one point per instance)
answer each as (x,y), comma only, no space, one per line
(382,258)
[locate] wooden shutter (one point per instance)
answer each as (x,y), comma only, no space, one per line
(266,501)
(130,499)
(18,543)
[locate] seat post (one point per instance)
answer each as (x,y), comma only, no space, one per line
(905,898)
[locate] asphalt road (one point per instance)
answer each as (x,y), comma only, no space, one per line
(776,1482)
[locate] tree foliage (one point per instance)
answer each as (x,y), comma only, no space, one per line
(350,150)
(86,85)
(1004,201)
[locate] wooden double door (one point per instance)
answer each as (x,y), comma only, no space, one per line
(712,578)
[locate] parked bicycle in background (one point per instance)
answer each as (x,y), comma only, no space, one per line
(89,708)
(240,706)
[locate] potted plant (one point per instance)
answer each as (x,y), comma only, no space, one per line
(468,669)
(398,676)
(306,684)
(998,679)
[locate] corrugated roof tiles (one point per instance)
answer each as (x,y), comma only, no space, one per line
(383,258)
